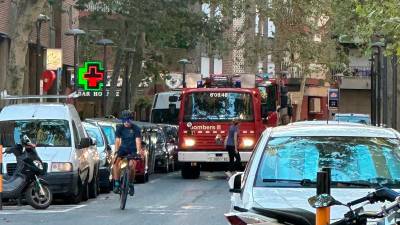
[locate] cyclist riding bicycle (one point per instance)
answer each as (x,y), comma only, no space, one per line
(128,143)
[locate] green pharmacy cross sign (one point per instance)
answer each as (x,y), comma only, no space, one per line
(90,76)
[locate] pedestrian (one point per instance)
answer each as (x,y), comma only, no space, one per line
(231,145)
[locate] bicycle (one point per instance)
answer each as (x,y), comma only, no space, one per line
(124,179)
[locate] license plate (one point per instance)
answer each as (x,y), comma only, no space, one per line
(214,158)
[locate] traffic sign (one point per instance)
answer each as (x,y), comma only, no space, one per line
(333,99)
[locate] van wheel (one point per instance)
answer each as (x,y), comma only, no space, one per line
(146,177)
(85,189)
(94,186)
(76,198)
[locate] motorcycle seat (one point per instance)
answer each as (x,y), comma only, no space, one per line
(292,215)
(13,183)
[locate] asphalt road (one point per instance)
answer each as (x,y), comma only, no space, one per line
(165,200)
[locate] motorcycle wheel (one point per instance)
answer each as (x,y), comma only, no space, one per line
(34,199)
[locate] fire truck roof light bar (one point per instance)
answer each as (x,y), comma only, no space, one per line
(5,96)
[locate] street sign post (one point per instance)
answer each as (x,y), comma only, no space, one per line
(333,99)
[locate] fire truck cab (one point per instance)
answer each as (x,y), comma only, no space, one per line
(205,115)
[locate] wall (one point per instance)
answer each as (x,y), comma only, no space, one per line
(355,101)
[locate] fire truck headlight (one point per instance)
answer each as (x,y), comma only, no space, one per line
(248,142)
(189,142)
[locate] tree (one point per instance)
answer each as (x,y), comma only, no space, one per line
(151,26)
(379,19)
(23,17)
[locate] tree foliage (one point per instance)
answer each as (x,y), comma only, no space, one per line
(379,19)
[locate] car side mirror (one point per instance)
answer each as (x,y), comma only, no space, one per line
(93,141)
(108,148)
(322,201)
(84,143)
(235,183)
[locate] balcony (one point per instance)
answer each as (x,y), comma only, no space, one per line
(356,78)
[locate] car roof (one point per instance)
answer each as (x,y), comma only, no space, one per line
(352,114)
(324,122)
(28,111)
(89,125)
(333,130)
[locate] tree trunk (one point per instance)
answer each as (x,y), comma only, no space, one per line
(300,103)
(22,20)
(116,70)
(136,77)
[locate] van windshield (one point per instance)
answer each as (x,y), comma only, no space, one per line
(43,133)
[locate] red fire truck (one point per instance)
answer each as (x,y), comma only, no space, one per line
(204,118)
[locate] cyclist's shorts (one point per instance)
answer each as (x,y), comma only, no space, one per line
(126,152)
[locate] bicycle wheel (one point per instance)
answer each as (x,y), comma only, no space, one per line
(124,189)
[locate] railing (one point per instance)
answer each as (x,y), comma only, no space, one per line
(352,71)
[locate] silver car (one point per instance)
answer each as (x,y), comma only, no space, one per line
(282,171)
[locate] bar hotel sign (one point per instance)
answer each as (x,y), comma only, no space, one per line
(91,80)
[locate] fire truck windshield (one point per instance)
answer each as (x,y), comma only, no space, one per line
(218,106)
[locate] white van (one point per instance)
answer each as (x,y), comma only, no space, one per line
(62,143)
(161,112)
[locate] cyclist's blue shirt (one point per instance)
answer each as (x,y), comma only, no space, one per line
(128,137)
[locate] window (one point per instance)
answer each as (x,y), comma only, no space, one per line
(353,159)
(110,134)
(314,105)
(95,133)
(218,106)
(76,135)
(44,133)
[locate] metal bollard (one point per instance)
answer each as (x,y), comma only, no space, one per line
(1,177)
(323,187)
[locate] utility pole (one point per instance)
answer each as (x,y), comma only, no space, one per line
(373,90)
(385,92)
(394,92)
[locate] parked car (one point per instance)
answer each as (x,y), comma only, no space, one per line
(144,167)
(165,150)
(353,117)
(62,144)
(281,174)
(105,154)
(108,126)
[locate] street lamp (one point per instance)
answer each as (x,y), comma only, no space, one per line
(104,43)
(126,78)
(75,32)
(41,19)
(376,85)
(184,62)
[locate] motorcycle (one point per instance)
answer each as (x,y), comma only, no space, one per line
(25,181)
(387,215)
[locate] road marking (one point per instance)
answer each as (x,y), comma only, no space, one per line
(15,210)
(197,207)
(153,181)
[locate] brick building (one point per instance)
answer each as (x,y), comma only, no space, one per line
(62,17)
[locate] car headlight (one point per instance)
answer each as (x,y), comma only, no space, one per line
(189,142)
(61,167)
(248,142)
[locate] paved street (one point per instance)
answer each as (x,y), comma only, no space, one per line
(167,199)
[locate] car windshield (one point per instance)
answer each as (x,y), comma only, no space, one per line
(212,106)
(366,160)
(353,119)
(43,133)
(95,133)
(110,134)
(164,116)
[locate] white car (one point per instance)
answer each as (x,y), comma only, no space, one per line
(62,144)
(282,171)
(105,153)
